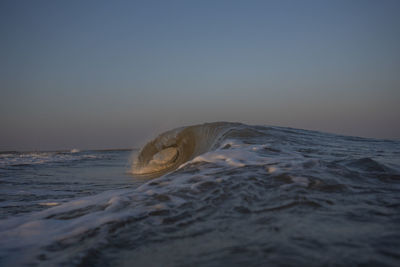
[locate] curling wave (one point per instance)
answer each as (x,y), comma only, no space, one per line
(240,194)
(173,148)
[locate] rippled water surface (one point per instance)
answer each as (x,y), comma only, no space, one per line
(249,196)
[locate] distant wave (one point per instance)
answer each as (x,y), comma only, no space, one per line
(15,159)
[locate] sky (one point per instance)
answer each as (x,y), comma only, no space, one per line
(113,74)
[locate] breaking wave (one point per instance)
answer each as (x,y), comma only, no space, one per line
(171,149)
(228,194)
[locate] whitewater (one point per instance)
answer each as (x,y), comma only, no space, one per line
(215,194)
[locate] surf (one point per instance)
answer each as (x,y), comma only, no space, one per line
(249,192)
(173,148)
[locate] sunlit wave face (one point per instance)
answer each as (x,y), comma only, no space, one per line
(162,160)
(173,148)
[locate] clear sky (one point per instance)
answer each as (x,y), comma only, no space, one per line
(112,74)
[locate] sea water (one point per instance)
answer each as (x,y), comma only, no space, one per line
(229,195)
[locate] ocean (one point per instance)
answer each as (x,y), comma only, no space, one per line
(216,194)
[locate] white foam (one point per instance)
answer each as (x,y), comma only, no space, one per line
(219,158)
(238,155)
(37,158)
(29,233)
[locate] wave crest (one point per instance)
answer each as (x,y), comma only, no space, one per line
(169,150)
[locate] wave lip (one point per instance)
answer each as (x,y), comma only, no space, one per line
(171,149)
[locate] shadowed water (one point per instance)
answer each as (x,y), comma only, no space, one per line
(247,195)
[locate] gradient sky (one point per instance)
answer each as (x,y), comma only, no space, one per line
(112,74)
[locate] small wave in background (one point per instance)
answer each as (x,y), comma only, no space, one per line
(207,195)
